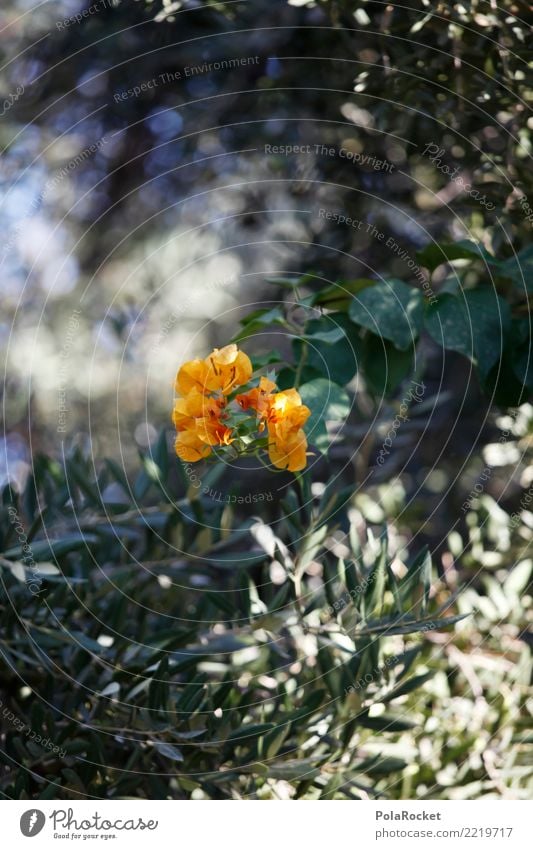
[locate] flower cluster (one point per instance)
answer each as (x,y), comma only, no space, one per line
(284,416)
(208,412)
(200,411)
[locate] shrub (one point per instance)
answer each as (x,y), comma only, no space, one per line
(167,652)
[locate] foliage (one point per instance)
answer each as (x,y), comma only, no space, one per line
(215,658)
(373,327)
(222,659)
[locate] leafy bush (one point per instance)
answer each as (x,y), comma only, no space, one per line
(150,627)
(248,658)
(373,328)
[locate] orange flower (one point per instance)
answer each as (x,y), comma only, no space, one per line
(198,420)
(195,406)
(222,371)
(289,453)
(192,375)
(190,448)
(287,442)
(190,407)
(258,399)
(212,431)
(202,415)
(227,368)
(286,411)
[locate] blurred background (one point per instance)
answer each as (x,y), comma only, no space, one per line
(141,213)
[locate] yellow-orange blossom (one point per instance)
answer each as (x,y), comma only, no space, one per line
(201,413)
(284,416)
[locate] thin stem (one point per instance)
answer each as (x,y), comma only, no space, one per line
(303,360)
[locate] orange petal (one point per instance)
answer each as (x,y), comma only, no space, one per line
(190,449)
(244,369)
(248,400)
(192,375)
(227,368)
(289,454)
(212,432)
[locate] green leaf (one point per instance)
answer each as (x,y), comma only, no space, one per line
(490,319)
(408,686)
(247,732)
(391,310)
(339,295)
(112,689)
(328,403)
(339,360)
(376,582)
(263,316)
(410,627)
(259,361)
(287,376)
(118,474)
(425,577)
(519,269)
(17,569)
(294,770)
(48,549)
(168,751)
(447,324)
(160,455)
(384,366)
(475,324)
(385,723)
(523,365)
(332,335)
(272,742)
(286,282)
(437,254)
(510,380)
(257,321)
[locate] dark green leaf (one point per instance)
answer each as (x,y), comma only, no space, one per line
(328,403)
(391,310)
(384,365)
(436,254)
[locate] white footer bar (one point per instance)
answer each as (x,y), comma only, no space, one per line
(268,825)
